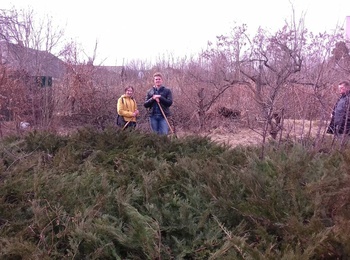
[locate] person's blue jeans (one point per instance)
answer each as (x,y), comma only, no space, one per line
(159,124)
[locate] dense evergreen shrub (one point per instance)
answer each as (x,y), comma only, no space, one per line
(129,195)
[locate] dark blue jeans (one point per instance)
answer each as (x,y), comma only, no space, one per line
(159,124)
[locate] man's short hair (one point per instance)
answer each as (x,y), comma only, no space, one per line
(157,74)
(345,83)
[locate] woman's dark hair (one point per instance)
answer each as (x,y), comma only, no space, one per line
(128,88)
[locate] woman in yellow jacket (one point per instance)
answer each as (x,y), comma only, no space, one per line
(127,109)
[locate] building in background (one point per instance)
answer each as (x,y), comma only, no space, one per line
(42,66)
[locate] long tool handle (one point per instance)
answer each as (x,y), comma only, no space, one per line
(126,124)
(166,119)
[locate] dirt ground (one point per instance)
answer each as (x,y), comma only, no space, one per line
(247,137)
(244,137)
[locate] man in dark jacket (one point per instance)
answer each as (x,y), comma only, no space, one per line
(340,121)
(158,101)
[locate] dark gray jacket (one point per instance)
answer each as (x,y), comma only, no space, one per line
(340,121)
(166,100)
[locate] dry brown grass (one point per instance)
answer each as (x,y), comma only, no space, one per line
(232,137)
(7,128)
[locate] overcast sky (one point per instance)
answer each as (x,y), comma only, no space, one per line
(144,30)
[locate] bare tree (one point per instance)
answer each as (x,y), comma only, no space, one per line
(274,62)
(270,65)
(213,74)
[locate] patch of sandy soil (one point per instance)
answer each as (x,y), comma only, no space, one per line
(238,136)
(241,137)
(244,136)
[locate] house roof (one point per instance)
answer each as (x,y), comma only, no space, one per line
(42,63)
(34,62)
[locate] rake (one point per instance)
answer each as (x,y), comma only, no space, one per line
(166,119)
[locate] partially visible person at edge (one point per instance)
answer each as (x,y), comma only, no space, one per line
(340,120)
(127,107)
(159,96)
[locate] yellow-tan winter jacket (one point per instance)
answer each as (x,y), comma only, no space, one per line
(126,106)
